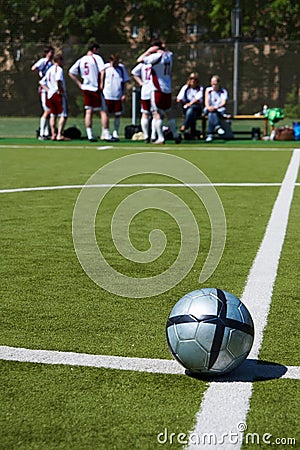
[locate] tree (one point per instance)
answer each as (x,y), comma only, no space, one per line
(261,19)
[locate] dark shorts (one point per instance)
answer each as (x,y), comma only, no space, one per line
(146,106)
(114,106)
(162,101)
(55,104)
(91,99)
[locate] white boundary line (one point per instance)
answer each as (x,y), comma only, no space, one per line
(183,147)
(250,370)
(224,405)
(130,185)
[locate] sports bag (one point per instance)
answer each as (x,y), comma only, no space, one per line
(130,130)
(284,134)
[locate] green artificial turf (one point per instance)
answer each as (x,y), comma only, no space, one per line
(48,302)
(55,407)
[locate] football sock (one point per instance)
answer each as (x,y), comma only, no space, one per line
(117,124)
(89,133)
(145,125)
(42,126)
(158,128)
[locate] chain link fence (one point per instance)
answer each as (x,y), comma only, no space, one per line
(268,73)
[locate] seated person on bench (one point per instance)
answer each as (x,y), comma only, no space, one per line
(215,107)
(191,98)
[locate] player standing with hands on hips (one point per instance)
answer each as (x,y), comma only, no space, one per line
(161,61)
(142,73)
(86,73)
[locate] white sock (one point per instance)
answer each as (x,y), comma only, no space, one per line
(144,126)
(42,126)
(158,123)
(153,132)
(89,133)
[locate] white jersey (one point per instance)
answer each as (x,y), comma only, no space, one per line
(88,67)
(114,80)
(53,75)
(144,71)
(162,63)
(42,65)
(188,94)
(216,98)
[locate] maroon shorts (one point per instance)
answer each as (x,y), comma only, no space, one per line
(145,106)
(114,106)
(161,101)
(91,99)
(55,104)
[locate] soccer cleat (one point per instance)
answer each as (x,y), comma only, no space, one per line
(93,139)
(209,138)
(115,136)
(159,141)
(106,136)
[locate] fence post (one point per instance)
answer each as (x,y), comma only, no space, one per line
(134,105)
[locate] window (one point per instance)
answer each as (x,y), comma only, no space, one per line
(134,31)
(192,29)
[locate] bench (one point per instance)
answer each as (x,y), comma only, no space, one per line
(240,117)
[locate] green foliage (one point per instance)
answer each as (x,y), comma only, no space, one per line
(261,19)
(292,105)
(60,20)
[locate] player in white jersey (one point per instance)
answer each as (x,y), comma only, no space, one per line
(41,66)
(142,73)
(161,61)
(54,83)
(85,72)
(215,107)
(114,77)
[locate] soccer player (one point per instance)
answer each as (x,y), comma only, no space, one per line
(142,75)
(215,107)
(85,72)
(41,66)
(114,77)
(161,61)
(54,84)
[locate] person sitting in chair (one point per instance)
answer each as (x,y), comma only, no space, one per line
(191,98)
(215,107)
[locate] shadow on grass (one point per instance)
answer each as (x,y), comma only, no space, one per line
(250,370)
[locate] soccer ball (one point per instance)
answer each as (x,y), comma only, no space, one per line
(210,331)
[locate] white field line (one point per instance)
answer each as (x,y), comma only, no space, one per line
(250,370)
(182,147)
(175,185)
(224,405)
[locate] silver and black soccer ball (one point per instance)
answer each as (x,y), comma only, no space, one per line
(210,331)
